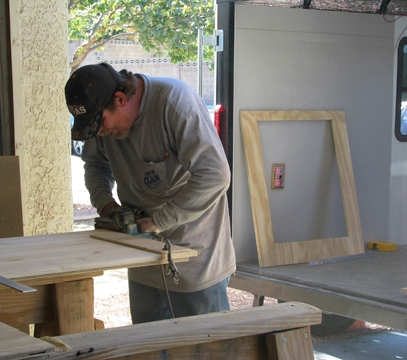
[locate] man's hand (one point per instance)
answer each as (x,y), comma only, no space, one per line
(147,225)
(106,210)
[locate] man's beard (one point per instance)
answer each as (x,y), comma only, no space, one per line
(120,136)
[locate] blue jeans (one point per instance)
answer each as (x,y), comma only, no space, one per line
(150,304)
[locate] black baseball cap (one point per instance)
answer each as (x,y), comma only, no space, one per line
(87,92)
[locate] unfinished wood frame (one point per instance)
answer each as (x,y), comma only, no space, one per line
(269,252)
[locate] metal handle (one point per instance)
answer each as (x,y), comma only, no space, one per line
(16,285)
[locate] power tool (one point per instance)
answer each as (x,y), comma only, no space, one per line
(124,219)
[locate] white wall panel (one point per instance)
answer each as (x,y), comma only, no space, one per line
(294,59)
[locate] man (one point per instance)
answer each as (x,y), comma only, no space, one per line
(155,139)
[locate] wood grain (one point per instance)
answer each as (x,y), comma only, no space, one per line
(187,331)
(30,308)
(15,344)
(288,345)
(56,255)
(137,242)
(269,252)
(73,303)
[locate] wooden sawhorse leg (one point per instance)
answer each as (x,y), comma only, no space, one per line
(73,309)
(292,344)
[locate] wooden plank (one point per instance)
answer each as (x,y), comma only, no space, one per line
(73,304)
(11,214)
(246,347)
(187,331)
(137,242)
(270,253)
(292,344)
(14,344)
(54,278)
(26,308)
(73,253)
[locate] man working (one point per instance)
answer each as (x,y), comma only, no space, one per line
(155,139)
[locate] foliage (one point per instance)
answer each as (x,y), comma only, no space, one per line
(169,25)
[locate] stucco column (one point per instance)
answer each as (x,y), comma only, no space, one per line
(39,41)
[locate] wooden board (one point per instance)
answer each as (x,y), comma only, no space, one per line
(73,306)
(15,344)
(269,252)
(11,215)
(188,331)
(291,344)
(137,242)
(48,256)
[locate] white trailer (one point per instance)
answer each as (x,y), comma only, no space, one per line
(296,59)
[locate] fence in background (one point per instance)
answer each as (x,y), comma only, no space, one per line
(125,54)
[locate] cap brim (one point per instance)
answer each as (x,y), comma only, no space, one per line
(83,130)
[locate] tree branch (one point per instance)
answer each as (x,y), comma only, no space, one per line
(90,46)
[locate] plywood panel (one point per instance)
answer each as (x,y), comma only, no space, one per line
(269,252)
(54,255)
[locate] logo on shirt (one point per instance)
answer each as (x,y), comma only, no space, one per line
(152,180)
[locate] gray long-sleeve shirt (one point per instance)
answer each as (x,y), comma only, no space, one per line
(173,166)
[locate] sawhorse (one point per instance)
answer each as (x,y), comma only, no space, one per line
(278,332)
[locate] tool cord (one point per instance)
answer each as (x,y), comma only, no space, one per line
(167,292)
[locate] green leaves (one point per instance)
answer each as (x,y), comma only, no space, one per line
(155,24)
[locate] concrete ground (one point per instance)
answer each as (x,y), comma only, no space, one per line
(360,344)
(384,345)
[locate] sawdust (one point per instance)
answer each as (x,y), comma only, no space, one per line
(60,346)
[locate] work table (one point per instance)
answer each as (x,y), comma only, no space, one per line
(61,268)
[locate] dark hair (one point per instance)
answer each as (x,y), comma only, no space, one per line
(126,84)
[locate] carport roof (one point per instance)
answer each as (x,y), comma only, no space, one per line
(386,7)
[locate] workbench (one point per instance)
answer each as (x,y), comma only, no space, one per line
(366,287)
(61,268)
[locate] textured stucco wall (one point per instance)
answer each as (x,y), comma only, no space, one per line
(40,69)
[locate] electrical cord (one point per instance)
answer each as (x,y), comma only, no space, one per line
(167,292)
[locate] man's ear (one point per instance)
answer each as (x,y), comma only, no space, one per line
(120,99)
